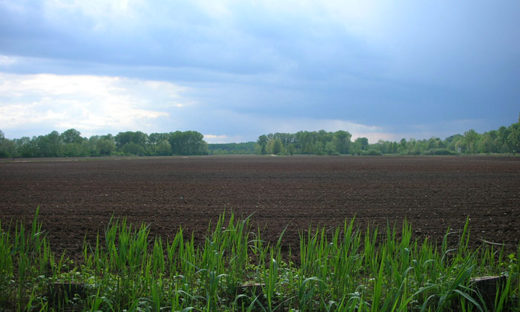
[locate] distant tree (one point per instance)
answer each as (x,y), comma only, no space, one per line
(488,143)
(163,148)
(134,139)
(71,136)
(49,145)
(305,142)
(75,149)
(103,145)
(341,141)
(434,143)
(362,143)
(188,143)
(385,147)
(471,139)
(7,147)
(133,149)
(331,148)
(453,143)
(73,144)
(262,142)
(25,147)
(276,146)
(157,144)
(502,138)
(403,146)
(513,139)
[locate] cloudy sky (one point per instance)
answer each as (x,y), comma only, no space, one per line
(233,70)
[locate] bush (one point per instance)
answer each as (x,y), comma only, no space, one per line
(439,151)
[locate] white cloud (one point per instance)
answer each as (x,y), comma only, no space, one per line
(222,138)
(90,104)
(7,60)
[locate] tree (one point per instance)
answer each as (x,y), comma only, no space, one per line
(163,148)
(331,148)
(276,146)
(362,143)
(49,145)
(488,142)
(470,139)
(103,145)
(133,149)
(262,142)
(188,143)
(136,139)
(454,143)
(513,139)
(341,141)
(157,144)
(71,136)
(502,135)
(7,147)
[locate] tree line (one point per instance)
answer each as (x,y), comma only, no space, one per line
(503,140)
(70,143)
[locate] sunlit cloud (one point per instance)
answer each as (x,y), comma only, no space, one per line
(91,104)
(222,138)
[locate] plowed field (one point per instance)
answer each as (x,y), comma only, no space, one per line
(77,197)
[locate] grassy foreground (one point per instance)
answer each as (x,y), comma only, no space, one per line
(234,270)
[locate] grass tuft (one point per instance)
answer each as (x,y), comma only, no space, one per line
(235,270)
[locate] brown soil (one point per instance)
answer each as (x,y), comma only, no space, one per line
(77,197)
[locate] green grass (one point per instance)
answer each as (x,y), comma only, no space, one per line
(235,270)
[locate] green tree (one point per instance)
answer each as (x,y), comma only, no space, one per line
(133,149)
(25,147)
(487,143)
(188,143)
(361,144)
(49,145)
(135,139)
(7,147)
(163,148)
(471,138)
(71,136)
(276,146)
(454,143)
(403,146)
(513,139)
(331,148)
(156,142)
(262,142)
(341,141)
(502,138)
(102,145)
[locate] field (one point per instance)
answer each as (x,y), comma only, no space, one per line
(77,197)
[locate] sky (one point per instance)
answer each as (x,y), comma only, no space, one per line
(234,70)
